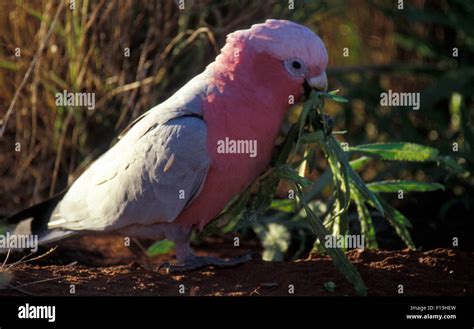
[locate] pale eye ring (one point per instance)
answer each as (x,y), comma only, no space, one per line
(295,67)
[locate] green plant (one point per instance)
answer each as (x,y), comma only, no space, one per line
(160,247)
(295,157)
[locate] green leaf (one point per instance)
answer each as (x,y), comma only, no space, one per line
(366,193)
(284,205)
(313,137)
(354,177)
(399,222)
(312,103)
(160,247)
(333,95)
(339,165)
(264,196)
(233,209)
(311,161)
(338,257)
(393,186)
(287,172)
(359,163)
(367,228)
(398,151)
(287,145)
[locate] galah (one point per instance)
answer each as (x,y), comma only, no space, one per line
(167,174)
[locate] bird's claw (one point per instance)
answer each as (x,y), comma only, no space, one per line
(197,262)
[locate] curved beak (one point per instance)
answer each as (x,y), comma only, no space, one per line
(319,82)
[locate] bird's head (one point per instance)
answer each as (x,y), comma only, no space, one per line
(277,55)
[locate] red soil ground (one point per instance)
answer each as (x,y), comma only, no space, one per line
(103,266)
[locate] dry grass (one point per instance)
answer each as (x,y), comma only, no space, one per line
(86,52)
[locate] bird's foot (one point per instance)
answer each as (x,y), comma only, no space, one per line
(197,262)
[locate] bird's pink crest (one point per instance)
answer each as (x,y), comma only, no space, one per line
(282,39)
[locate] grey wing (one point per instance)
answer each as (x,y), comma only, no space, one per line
(149,176)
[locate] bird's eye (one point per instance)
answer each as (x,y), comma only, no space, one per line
(295,67)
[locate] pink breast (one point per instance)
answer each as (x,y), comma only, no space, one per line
(239,113)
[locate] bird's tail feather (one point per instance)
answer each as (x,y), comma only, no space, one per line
(34,221)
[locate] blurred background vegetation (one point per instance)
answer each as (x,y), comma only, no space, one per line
(409,50)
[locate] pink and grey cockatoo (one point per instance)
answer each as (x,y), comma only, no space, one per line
(165,176)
